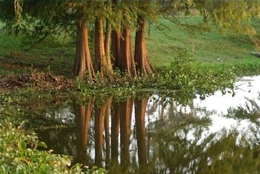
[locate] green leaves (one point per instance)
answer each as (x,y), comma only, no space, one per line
(233,15)
(18,156)
(97,170)
(22,145)
(42,144)
(66,160)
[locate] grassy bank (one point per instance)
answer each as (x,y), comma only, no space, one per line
(208,47)
(165,39)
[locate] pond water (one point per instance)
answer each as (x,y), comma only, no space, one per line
(152,134)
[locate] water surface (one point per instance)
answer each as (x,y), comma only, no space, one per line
(151,134)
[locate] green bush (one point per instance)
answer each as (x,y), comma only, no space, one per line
(19,154)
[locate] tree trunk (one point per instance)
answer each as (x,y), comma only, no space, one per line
(107,133)
(99,46)
(107,138)
(115,118)
(82,117)
(115,47)
(125,131)
(83,64)
(102,61)
(126,63)
(140,109)
(142,62)
(99,128)
(108,47)
(115,41)
(101,112)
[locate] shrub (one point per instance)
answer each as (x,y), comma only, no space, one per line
(19,154)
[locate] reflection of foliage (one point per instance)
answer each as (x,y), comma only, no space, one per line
(216,153)
(226,155)
(250,111)
(52,116)
(170,142)
(169,108)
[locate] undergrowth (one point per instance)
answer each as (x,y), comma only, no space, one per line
(19,154)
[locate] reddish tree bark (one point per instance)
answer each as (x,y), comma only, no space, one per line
(126,60)
(140,109)
(82,117)
(125,131)
(115,40)
(83,64)
(101,112)
(115,47)
(115,118)
(102,61)
(99,128)
(107,44)
(142,62)
(99,44)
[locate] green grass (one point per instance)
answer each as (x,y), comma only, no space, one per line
(163,44)
(15,57)
(208,47)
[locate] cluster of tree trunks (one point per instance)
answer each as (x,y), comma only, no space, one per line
(113,49)
(120,115)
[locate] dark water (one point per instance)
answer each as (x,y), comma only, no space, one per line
(151,134)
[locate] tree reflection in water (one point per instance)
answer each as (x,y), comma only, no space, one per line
(82,120)
(138,136)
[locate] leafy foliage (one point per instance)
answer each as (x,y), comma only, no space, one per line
(251,111)
(183,79)
(233,15)
(19,154)
(225,150)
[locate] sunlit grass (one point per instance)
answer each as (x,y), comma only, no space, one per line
(206,47)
